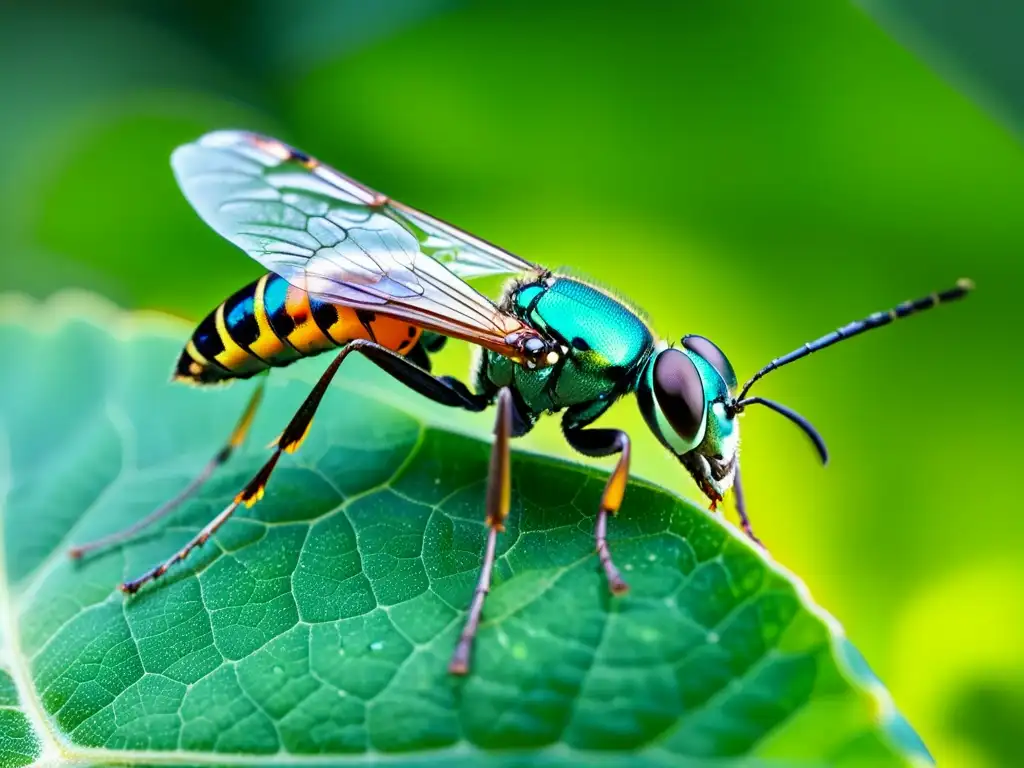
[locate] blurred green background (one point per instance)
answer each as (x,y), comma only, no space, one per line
(758,173)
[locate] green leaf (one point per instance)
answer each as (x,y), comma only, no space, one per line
(317,625)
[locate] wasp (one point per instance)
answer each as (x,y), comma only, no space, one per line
(354,271)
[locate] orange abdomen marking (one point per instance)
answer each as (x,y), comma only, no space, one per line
(271,323)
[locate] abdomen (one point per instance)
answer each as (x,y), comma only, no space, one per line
(270,323)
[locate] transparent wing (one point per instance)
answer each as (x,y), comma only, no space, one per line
(343,242)
(462,253)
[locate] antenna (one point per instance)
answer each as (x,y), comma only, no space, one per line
(876,320)
(796,418)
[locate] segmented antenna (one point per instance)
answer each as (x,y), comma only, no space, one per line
(876,320)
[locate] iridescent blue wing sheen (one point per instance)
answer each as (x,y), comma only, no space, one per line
(341,241)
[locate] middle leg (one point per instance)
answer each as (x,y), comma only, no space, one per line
(606,442)
(499,495)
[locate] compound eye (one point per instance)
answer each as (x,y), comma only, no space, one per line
(710,352)
(679,393)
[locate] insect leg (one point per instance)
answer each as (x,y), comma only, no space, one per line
(234,441)
(443,390)
(741,508)
(289,442)
(605,442)
(499,494)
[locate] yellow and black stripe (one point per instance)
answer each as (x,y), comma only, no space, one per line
(270,323)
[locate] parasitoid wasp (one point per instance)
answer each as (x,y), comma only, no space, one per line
(355,271)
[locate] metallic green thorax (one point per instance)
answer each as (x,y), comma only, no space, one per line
(605,345)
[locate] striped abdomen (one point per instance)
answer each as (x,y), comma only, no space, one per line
(271,323)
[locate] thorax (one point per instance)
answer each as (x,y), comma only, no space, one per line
(604,345)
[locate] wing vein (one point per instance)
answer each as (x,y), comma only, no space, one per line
(344,243)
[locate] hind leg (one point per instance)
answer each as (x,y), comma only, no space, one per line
(440,389)
(234,441)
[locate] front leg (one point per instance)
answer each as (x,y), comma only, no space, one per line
(741,508)
(605,442)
